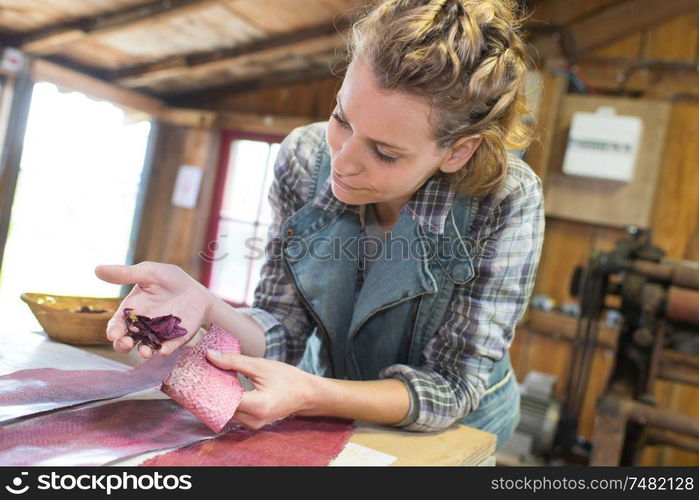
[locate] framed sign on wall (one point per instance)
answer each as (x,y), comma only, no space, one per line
(617,200)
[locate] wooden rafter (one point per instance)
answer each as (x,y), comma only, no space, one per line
(201,96)
(138,75)
(53,38)
(623,19)
(257,60)
(42,70)
(188,117)
(656,79)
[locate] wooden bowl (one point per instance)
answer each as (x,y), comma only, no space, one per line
(71,319)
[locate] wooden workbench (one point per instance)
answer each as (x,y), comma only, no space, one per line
(458,445)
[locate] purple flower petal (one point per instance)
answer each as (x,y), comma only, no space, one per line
(152,332)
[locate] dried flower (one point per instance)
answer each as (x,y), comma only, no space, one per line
(152,332)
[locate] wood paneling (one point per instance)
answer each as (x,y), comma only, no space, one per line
(567,244)
(29,15)
(674,40)
(628,47)
(174,234)
(676,209)
(553,89)
(314,99)
(558,12)
(624,19)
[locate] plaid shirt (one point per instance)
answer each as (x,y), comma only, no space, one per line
(478,326)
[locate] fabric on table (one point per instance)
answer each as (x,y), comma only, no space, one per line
(210,393)
(291,442)
(100,434)
(27,392)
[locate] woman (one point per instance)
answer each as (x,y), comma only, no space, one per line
(414,159)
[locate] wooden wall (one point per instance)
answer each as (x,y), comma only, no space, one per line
(314,99)
(173,234)
(675,221)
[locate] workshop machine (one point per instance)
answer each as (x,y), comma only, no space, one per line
(655,301)
(658,301)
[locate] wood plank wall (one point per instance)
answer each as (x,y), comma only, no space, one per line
(675,225)
(169,233)
(314,99)
(179,235)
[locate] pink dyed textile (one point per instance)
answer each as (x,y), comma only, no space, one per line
(210,393)
(101,434)
(292,442)
(27,392)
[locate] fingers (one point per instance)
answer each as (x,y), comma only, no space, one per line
(170,346)
(142,273)
(116,327)
(145,351)
(255,404)
(246,365)
(123,345)
(249,421)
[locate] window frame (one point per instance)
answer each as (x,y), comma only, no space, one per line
(222,171)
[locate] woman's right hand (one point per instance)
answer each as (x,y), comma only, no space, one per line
(160,289)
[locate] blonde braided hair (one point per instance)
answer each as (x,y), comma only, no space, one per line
(468,59)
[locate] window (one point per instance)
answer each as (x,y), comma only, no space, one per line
(75,201)
(241,216)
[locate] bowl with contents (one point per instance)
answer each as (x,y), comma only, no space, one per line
(71,319)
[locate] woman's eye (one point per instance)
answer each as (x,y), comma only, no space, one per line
(339,120)
(383,157)
(344,124)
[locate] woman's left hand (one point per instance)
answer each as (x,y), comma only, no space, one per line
(282,389)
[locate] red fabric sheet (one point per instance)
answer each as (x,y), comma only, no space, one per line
(292,442)
(101,434)
(27,392)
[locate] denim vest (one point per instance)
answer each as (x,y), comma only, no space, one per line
(402,301)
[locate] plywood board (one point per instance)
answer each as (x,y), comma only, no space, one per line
(675,40)
(676,212)
(607,202)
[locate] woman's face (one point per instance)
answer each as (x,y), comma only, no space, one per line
(381,142)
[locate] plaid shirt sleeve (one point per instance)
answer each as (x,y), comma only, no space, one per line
(479,324)
(276,307)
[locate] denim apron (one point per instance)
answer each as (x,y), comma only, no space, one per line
(400,306)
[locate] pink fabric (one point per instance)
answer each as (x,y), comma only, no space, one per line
(27,392)
(101,434)
(291,442)
(210,393)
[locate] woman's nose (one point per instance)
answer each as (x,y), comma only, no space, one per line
(347,161)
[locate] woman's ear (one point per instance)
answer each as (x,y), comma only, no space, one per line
(459,154)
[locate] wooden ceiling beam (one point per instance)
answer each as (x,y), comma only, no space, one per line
(265,124)
(249,63)
(670,80)
(623,19)
(138,76)
(211,95)
(53,38)
(46,71)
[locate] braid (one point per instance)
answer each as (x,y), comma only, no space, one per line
(467,58)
